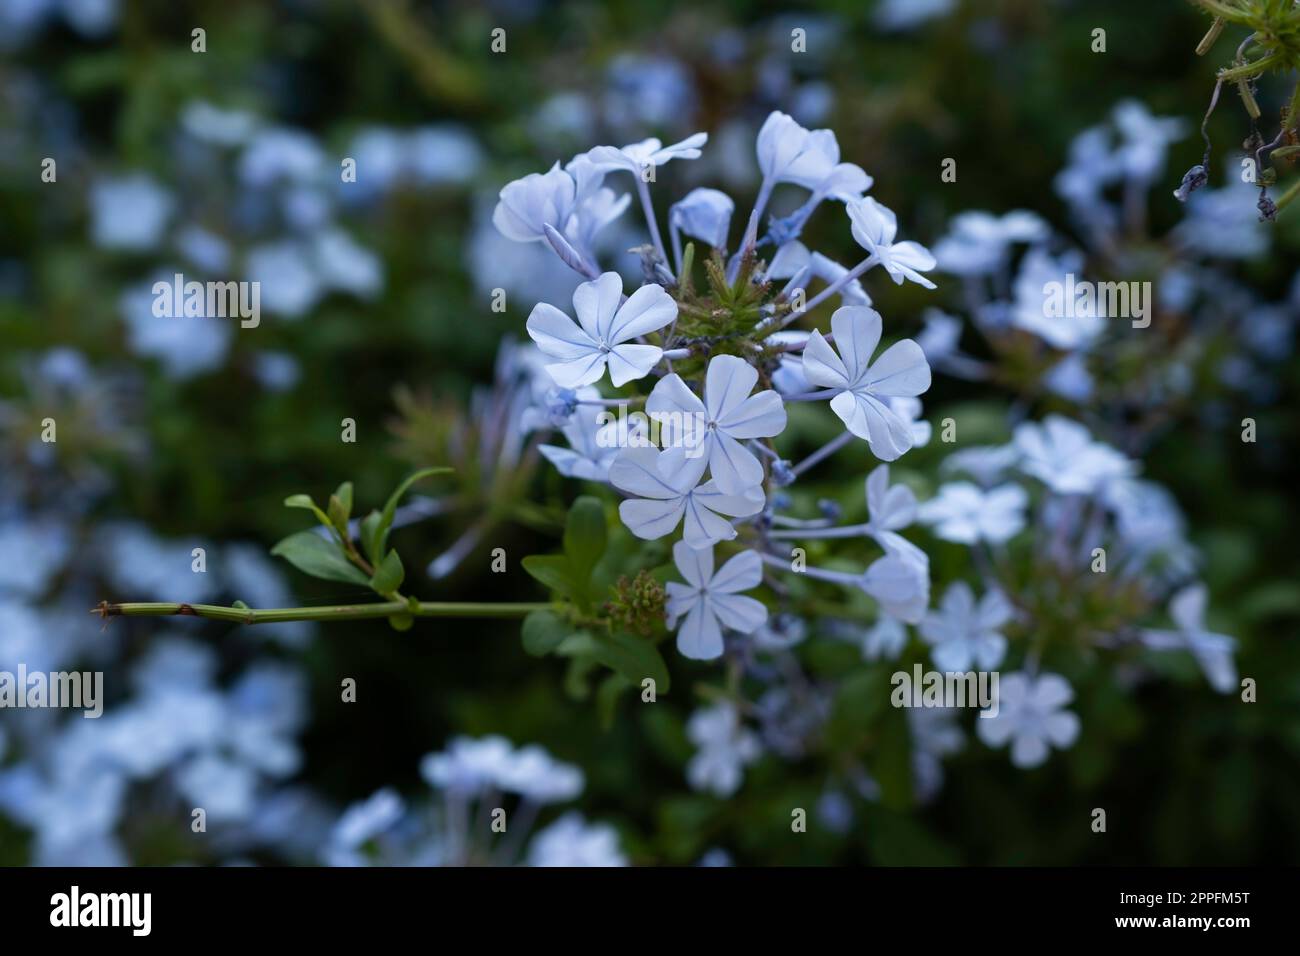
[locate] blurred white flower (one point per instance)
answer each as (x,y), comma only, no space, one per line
(966,514)
(725,748)
(1032,717)
(1213,652)
(964,635)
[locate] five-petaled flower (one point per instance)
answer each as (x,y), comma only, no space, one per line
(874,228)
(714,428)
(1031,715)
(604,332)
(865,386)
(666,495)
(710,600)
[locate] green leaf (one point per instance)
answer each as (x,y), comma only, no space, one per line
(305,502)
(554,571)
(390,508)
(338,515)
(344,494)
(389,575)
(311,554)
(584,536)
(369,535)
(633,657)
(607,696)
(543,632)
(401,622)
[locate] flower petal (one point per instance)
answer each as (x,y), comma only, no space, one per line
(699,637)
(627,363)
(647,310)
(595,304)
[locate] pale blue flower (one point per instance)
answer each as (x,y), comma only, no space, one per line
(1213,652)
(864,386)
(604,334)
(724,748)
(527,206)
(963,635)
(1062,454)
(664,497)
(874,229)
(129,212)
(978,243)
(714,427)
(635,157)
(710,600)
(964,513)
(1032,717)
(572,842)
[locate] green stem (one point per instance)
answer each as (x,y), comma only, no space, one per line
(1289,196)
(334,612)
(1250,70)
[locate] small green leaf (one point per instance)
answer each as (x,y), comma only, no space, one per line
(369,535)
(633,657)
(338,515)
(390,508)
(543,632)
(552,570)
(344,494)
(389,575)
(401,622)
(305,502)
(311,554)
(584,536)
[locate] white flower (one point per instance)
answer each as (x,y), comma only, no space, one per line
(789,153)
(874,228)
(527,206)
(793,258)
(593,443)
(1212,651)
(1146,139)
(725,748)
(594,206)
(909,409)
(865,385)
(1031,715)
(1062,454)
(570,842)
(964,513)
(649,152)
(535,775)
(1080,321)
(664,496)
(710,600)
(885,640)
(714,428)
(604,333)
(978,242)
(889,510)
(468,766)
(704,214)
(129,212)
(900,583)
(964,635)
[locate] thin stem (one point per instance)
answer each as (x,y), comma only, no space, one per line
(334,612)
(751,230)
(830,290)
(844,531)
(828,449)
(643,190)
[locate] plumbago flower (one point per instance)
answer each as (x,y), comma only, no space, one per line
(690,427)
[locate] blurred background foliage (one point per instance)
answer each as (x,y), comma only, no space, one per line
(1002,86)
